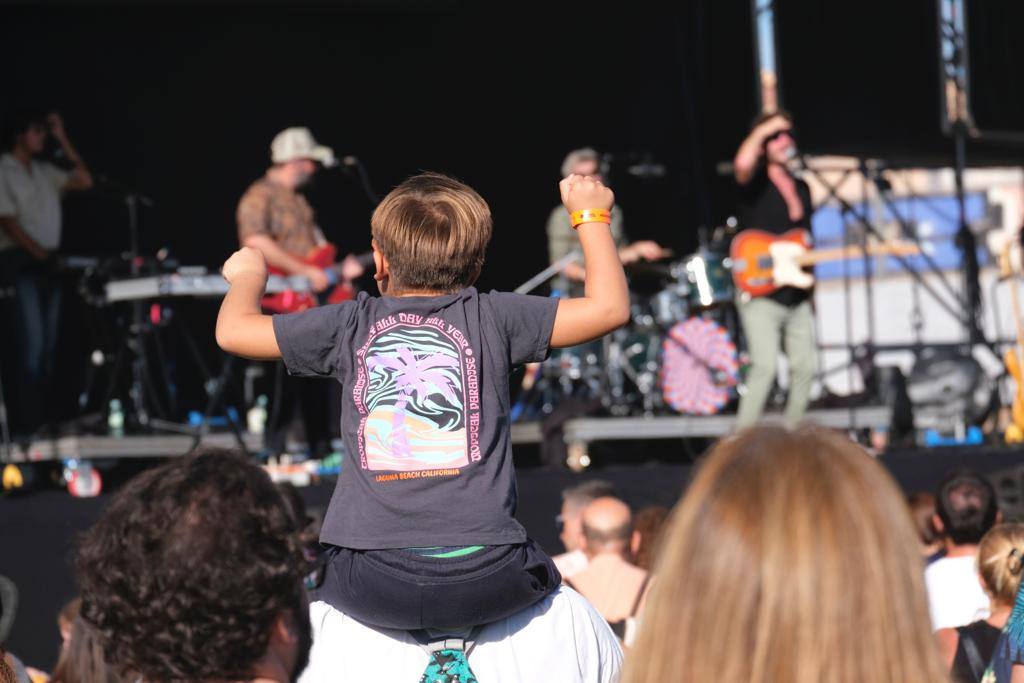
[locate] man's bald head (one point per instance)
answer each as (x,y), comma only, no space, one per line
(607,526)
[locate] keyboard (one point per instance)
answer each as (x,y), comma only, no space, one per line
(192,285)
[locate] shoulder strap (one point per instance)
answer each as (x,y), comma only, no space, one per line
(447,656)
(430,645)
(640,595)
(970,649)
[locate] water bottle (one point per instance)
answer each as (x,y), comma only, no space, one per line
(256,418)
(115,418)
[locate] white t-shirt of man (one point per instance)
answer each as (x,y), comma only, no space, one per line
(571,563)
(955,596)
(561,638)
(33,197)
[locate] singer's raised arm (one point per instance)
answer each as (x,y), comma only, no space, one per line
(748,156)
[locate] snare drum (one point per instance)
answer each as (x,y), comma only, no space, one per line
(709,275)
(671,304)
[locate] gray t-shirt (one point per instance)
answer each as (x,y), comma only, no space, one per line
(425,412)
(33,197)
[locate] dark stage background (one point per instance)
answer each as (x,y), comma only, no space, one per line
(180,103)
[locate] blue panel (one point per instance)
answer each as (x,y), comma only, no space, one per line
(937,220)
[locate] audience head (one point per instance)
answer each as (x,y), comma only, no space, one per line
(303,521)
(430,234)
(7,672)
(574,500)
(8,606)
(1000,558)
(66,619)
(82,660)
(790,558)
(966,507)
(194,573)
(8,602)
(922,512)
(607,527)
(648,524)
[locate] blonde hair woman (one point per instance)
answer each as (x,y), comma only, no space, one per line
(791,559)
(967,649)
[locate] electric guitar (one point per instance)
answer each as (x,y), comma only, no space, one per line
(324,257)
(1012,359)
(763,262)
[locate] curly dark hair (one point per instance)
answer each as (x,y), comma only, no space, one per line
(966,503)
(16,122)
(189,566)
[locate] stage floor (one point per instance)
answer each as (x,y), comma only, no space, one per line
(583,431)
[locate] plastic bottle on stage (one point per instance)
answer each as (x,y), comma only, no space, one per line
(256,418)
(115,419)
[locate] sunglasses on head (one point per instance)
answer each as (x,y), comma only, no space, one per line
(780,133)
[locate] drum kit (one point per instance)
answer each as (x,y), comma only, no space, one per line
(677,354)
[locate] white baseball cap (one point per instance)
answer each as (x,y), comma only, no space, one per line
(298,143)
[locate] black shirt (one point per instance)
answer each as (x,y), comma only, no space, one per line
(763,207)
(985,637)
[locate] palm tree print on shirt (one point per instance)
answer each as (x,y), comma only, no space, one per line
(414,397)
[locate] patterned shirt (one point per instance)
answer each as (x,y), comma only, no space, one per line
(270,209)
(424,412)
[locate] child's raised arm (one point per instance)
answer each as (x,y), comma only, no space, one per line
(604,305)
(242,329)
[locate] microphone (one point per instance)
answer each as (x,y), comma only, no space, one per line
(795,163)
(725,168)
(345,164)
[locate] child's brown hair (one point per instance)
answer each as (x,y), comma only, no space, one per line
(434,231)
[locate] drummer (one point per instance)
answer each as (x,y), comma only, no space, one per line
(562,241)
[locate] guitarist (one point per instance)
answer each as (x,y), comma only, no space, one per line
(276,219)
(772,199)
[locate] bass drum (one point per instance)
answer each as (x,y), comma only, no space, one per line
(699,367)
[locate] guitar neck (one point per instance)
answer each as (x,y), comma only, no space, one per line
(365,260)
(817,256)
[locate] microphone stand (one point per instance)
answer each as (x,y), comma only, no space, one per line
(350,162)
(544,275)
(138,345)
(139,326)
(833,191)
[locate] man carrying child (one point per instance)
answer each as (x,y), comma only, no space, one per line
(421,528)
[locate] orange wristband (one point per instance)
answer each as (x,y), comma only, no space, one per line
(578,218)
